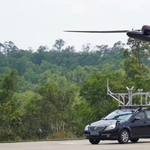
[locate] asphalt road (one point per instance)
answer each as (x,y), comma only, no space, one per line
(143,144)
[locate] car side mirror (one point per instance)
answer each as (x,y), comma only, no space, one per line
(136,118)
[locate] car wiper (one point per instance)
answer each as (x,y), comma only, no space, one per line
(104,119)
(108,119)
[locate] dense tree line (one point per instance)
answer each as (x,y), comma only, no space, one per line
(51,93)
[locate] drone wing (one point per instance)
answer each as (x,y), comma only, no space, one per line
(114,31)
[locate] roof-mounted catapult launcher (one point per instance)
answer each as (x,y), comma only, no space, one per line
(125,99)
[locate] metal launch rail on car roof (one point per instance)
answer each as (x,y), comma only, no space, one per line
(125,99)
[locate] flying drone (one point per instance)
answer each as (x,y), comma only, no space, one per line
(142,35)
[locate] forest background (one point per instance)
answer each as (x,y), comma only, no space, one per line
(52,93)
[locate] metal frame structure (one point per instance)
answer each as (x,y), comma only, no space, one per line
(125,99)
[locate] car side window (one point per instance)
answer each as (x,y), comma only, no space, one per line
(141,115)
(147,113)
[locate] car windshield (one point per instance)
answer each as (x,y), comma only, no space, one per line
(119,115)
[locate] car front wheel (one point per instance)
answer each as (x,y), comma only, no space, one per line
(94,141)
(123,137)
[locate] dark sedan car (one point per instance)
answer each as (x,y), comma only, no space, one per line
(122,125)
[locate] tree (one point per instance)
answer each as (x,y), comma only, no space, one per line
(118,48)
(9,115)
(94,92)
(8,86)
(40,55)
(9,47)
(86,47)
(49,111)
(104,49)
(58,44)
(134,55)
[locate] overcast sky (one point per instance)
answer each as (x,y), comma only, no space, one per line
(32,23)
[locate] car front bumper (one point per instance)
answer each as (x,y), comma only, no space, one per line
(103,135)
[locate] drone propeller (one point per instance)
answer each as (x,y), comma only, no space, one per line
(114,31)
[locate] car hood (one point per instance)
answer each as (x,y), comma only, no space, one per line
(105,122)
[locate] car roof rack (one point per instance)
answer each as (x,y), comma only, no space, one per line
(125,99)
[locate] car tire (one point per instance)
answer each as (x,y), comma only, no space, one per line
(94,141)
(134,140)
(123,137)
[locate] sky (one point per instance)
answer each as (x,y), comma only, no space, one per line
(32,23)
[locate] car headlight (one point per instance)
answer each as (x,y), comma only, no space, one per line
(86,128)
(112,126)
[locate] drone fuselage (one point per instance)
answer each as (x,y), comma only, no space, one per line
(143,35)
(138,36)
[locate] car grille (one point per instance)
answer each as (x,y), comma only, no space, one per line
(95,128)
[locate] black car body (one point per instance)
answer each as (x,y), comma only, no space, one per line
(122,125)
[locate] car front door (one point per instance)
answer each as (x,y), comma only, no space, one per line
(138,125)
